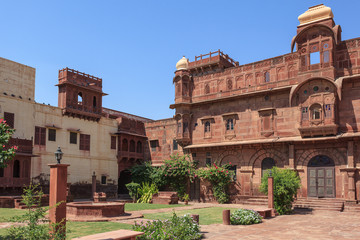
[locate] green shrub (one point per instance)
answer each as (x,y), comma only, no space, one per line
(146,191)
(286,184)
(220,178)
(244,217)
(184,228)
(37,226)
(133,190)
(146,173)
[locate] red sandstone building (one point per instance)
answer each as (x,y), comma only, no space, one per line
(300,111)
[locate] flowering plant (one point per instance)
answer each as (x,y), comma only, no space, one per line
(174,228)
(6,153)
(244,217)
(220,178)
(177,171)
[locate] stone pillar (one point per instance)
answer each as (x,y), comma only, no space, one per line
(291,157)
(226,217)
(350,155)
(58,185)
(195,217)
(351,180)
(93,187)
(351,172)
(271,195)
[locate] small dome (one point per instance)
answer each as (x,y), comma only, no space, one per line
(315,13)
(182,64)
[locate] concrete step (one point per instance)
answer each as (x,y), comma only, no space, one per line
(124,198)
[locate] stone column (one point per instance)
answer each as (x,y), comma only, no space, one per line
(58,184)
(291,157)
(271,195)
(226,217)
(350,155)
(93,187)
(351,172)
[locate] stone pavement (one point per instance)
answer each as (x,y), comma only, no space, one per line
(304,225)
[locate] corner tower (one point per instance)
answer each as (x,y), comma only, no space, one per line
(80,94)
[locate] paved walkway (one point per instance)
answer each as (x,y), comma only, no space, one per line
(304,225)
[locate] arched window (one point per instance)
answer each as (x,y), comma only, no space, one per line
(207,126)
(315,112)
(207,89)
(267,164)
(94,102)
(139,147)
(80,98)
(132,146)
(267,77)
(16,169)
(125,146)
(229,124)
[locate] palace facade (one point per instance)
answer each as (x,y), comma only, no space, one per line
(299,111)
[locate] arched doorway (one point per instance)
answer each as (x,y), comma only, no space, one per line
(124,178)
(321,177)
(267,164)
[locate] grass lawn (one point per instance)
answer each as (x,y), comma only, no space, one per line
(206,215)
(79,229)
(145,206)
(6,213)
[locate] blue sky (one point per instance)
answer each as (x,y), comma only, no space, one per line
(134,45)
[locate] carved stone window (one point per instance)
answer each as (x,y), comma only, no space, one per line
(267,76)
(229,124)
(207,126)
(267,121)
(229,84)
(207,89)
(315,112)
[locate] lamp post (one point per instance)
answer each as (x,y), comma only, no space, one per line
(58,155)
(58,185)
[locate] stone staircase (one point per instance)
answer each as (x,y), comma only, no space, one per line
(328,204)
(124,198)
(352,208)
(256,200)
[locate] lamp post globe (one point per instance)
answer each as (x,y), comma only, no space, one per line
(58,155)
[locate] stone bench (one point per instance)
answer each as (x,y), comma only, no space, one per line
(113,235)
(165,198)
(265,213)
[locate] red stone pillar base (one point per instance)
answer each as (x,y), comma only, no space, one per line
(58,185)
(226,217)
(271,196)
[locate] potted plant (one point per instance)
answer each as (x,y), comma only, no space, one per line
(186,198)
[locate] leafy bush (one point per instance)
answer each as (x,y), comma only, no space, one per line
(146,191)
(184,228)
(146,173)
(286,184)
(220,178)
(244,217)
(133,190)
(35,229)
(6,153)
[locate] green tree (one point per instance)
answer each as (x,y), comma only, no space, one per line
(286,184)
(6,153)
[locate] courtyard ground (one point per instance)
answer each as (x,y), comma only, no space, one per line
(300,225)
